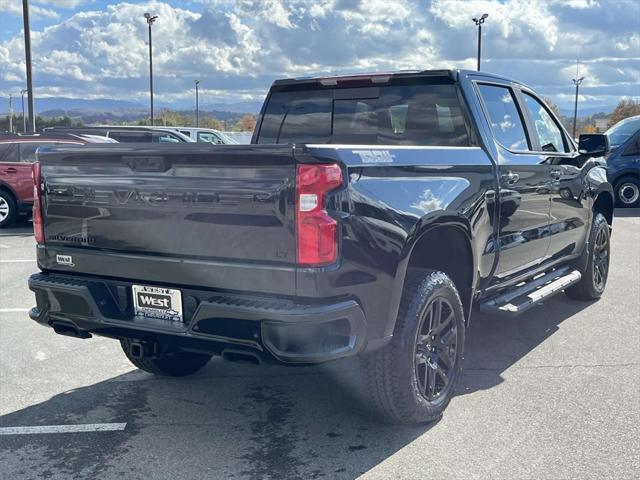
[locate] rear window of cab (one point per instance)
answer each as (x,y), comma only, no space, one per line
(417,114)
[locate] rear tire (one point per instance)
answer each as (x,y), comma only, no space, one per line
(627,191)
(171,364)
(8,209)
(412,379)
(594,276)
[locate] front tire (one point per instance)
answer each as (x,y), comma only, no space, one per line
(8,209)
(171,364)
(412,379)
(594,276)
(627,191)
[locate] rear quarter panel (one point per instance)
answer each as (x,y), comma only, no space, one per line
(388,205)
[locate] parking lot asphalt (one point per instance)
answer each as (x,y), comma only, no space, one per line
(552,394)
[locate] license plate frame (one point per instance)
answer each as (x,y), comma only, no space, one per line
(157,302)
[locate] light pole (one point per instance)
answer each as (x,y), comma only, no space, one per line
(10,113)
(576,82)
(197,82)
(150,19)
(24,119)
(27,54)
(479,22)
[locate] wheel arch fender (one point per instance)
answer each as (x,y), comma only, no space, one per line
(8,188)
(440,229)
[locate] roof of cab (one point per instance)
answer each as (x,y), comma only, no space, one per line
(328,80)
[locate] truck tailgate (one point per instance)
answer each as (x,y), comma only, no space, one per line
(203,205)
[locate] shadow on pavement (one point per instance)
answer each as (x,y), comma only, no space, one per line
(20,228)
(495,343)
(626,212)
(236,421)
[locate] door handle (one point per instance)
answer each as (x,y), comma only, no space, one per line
(510,178)
(11,170)
(556,173)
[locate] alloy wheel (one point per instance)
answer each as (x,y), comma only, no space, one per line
(4,209)
(436,350)
(601,259)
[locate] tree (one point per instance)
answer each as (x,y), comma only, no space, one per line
(552,106)
(247,123)
(626,108)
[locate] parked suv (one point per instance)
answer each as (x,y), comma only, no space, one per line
(17,153)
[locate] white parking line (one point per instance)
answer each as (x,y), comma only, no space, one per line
(18,261)
(88,427)
(9,310)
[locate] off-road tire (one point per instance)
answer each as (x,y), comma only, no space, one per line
(8,202)
(389,379)
(171,364)
(588,288)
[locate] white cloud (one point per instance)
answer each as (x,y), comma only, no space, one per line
(62,3)
(238,48)
(14,8)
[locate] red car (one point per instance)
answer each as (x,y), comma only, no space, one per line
(17,153)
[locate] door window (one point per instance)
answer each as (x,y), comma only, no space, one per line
(209,137)
(164,137)
(9,153)
(504,116)
(633,149)
(548,131)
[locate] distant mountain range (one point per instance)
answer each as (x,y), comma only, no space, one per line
(78,107)
(55,106)
(588,111)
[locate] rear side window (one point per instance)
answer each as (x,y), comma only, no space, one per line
(387,115)
(128,137)
(504,117)
(28,151)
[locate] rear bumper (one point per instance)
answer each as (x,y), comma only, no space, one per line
(270,328)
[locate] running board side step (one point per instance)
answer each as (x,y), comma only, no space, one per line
(525,295)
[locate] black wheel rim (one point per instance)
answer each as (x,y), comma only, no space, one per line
(601,259)
(436,350)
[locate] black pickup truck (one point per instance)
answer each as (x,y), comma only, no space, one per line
(370,215)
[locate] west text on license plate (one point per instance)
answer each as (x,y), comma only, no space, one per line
(157,302)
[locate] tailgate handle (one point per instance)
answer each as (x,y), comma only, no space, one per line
(147,163)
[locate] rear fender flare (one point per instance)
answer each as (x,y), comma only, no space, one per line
(425,226)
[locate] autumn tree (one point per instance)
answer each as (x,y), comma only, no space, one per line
(247,123)
(626,108)
(552,106)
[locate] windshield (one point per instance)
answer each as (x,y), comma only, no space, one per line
(621,131)
(396,114)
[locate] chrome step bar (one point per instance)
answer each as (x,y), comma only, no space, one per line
(524,296)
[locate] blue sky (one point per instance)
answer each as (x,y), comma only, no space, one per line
(97,48)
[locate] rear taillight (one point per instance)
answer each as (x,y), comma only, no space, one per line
(38,229)
(316,231)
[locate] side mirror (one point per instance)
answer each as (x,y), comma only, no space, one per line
(593,144)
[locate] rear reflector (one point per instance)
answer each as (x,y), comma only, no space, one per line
(316,231)
(38,229)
